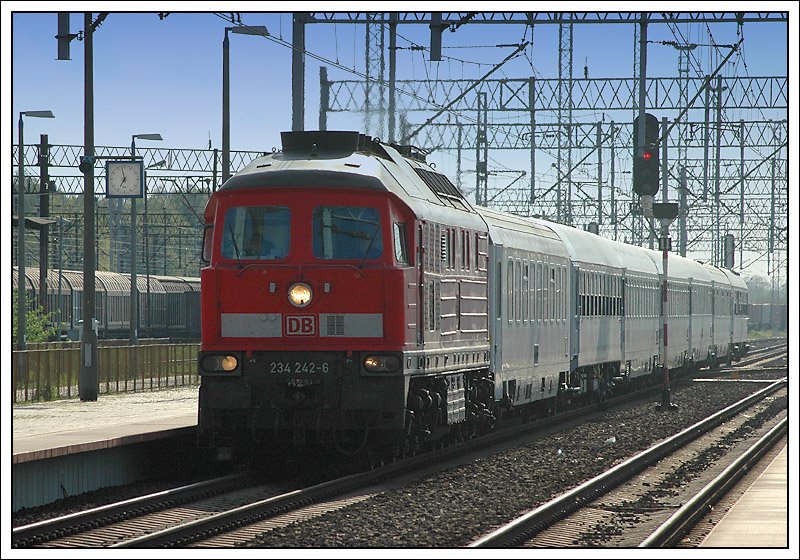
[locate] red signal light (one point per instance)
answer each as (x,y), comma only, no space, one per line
(647,156)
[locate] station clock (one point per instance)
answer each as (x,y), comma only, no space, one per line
(124,179)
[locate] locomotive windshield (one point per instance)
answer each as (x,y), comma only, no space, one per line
(347,232)
(256,232)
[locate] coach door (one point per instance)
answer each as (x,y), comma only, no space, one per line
(575,318)
(495,274)
(622,321)
(421,258)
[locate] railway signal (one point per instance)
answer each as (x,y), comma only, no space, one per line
(645,157)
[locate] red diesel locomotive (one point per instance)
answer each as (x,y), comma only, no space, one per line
(352,299)
(335,310)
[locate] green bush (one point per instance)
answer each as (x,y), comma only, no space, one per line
(765,334)
(37,323)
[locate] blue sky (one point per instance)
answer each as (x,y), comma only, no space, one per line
(165,75)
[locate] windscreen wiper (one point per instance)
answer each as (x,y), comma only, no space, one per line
(235,246)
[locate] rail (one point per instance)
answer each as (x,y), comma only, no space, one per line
(52,370)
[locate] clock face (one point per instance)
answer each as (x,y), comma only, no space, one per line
(124,179)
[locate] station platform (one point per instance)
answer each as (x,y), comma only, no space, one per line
(760,517)
(45,430)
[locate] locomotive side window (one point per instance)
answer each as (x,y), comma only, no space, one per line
(256,232)
(466,256)
(347,232)
(400,243)
(208,234)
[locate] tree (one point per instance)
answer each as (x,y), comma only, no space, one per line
(761,290)
(37,324)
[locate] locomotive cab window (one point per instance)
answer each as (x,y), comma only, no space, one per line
(400,243)
(347,233)
(256,233)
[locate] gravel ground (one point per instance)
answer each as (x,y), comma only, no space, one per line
(527,474)
(451,508)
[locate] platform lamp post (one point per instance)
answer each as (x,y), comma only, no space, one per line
(133,334)
(665,213)
(226,92)
(21,283)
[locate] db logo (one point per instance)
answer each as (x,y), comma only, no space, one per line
(301,325)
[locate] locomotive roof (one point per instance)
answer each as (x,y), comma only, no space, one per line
(339,159)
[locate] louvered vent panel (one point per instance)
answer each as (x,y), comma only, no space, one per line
(334,325)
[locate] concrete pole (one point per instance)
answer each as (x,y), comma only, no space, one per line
(226,108)
(298,70)
(21,272)
(88,381)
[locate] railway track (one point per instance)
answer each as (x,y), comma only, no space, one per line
(670,533)
(764,357)
(627,500)
(85,528)
(233,510)
(207,513)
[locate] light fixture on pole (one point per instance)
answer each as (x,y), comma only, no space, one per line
(226,92)
(134,315)
(665,213)
(21,283)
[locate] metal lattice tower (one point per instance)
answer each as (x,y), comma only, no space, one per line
(482,152)
(564,178)
(375,117)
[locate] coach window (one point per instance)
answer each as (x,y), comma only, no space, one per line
(558,293)
(256,232)
(499,295)
(347,233)
(546,291)
(525,294)
(510,290)
(400,243)
(536,288)
(518,292)
(582,291)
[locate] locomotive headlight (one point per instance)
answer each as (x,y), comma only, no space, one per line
(219,363)
(300,294)
(376,364)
